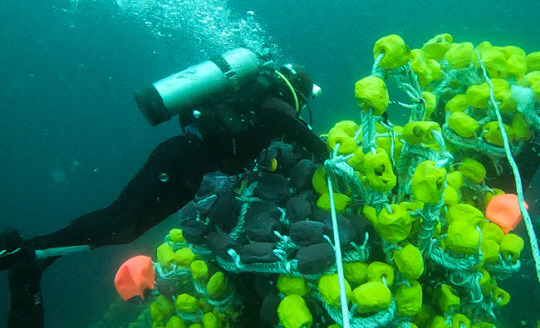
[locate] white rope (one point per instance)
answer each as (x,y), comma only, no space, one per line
(375,69)
(339,263)
(517,176)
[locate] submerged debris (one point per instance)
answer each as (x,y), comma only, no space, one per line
(410,203)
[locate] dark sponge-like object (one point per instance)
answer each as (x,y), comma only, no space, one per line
(225,211)
(297,209)
(305,233)
(268,314)
(194,232)
(301,175)
(271,187)
(188,212)
(315,258)
(257,253)
(263,208)
(319,215)
(219,243)
(347,231)
(262,221)
(214,183)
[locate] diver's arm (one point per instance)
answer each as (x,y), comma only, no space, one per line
(276,115)
(169,179)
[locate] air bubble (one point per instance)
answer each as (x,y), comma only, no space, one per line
(164,177)
(208,24)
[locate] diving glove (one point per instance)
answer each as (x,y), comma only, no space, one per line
(11,244)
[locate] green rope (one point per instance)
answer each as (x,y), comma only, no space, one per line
(517,176)
(476,145)
(200,250)
(280,266)
(223,304)
(246,198)
(411,156)
(503,269)
(439,256)
(338,168)
(468,283)
(392,135)
(176,272)
(191,317)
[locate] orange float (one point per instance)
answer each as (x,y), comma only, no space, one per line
(134,277)
(503,210)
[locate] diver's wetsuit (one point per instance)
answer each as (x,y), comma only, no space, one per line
(227,136)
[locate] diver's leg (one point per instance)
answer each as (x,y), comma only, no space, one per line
(169,179)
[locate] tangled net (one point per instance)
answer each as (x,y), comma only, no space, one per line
(394,230)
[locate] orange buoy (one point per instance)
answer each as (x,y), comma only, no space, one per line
(134,277)
(503,210)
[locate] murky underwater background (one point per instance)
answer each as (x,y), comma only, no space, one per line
(71,135)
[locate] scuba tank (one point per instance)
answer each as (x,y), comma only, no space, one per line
(193,86)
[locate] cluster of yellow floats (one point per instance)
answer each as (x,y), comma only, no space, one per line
(445,232)
(208,302)
(438,212)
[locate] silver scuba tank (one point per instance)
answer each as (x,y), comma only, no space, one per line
(191,87)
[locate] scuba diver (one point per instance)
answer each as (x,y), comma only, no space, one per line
(230,109)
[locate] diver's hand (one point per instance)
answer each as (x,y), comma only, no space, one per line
(11,246)
(18,257)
